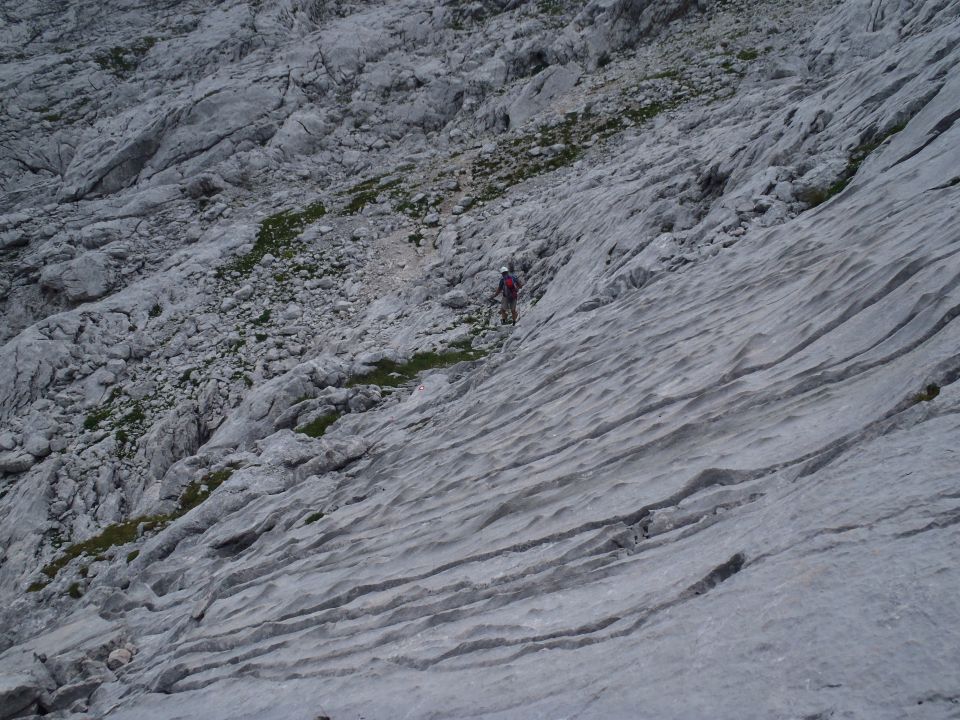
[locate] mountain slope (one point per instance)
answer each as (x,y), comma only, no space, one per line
(711,471)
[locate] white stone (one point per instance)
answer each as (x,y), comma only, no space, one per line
(119,657)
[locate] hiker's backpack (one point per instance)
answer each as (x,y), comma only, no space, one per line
(510,287)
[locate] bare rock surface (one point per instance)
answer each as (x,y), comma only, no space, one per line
(266,450)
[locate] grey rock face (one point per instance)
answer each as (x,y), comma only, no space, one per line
(715,456)
(255,418)
(88,277)
(333,454)
(21,691)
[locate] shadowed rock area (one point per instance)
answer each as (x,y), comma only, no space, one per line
(267,451)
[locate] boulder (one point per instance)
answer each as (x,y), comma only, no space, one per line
(332,454)
(23,687)
(16,461)
(289,448)
(87,277)
(245,292)
(118,658)
(541,91)
(204,185)
(255,417)
(37,445)
(456,299)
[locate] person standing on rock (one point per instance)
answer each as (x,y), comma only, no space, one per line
(509,290)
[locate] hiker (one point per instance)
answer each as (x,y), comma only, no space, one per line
(508,289)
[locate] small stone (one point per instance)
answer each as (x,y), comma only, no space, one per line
(244,293)
(7,440)
(118,658)
(432,219)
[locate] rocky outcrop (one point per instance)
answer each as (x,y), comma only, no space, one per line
(88,277)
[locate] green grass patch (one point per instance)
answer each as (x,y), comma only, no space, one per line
(387,373)
(413,208)
(550,7)
(748,54)
(155,311)
(512,163)
(262,319)
(136,415)
(276,237)
(111,536)
(132,555)
(200,490)
(928,394)
(318,426)
(126,532)
(93,420)
(818,196)
(365,193)
(643,113)
(123,60)
(313,517)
